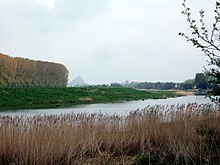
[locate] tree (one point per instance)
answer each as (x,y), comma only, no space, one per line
(187,84)
(201,81)
(115,85)
(23,72)
(208,41)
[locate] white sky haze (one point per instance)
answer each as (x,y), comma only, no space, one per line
(105,41)
(48,3)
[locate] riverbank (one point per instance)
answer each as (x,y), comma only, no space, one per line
(185,93)
(41,98)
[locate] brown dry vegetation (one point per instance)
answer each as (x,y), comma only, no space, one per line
(184,93)
(177,134)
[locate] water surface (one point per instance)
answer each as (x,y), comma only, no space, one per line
(112,108)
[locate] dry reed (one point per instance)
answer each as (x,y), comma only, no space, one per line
(172,134)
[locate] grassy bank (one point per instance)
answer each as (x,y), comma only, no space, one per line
(181,134)
(21,98)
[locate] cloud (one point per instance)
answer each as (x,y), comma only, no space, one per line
(78,9)
(104,40)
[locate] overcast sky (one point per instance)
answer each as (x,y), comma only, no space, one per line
(104,41)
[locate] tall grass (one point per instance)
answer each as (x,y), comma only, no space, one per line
(176,134)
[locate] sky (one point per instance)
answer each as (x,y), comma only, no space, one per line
(105,41)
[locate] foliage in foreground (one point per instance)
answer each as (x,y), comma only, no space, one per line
(206,37)
(176,134)
(20,98)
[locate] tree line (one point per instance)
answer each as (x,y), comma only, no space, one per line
(200,82)
(22,72)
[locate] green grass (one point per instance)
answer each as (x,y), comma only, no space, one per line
(24,98)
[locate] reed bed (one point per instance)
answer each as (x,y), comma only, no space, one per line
(174,134)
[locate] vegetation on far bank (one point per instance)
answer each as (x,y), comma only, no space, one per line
(21,98)
(22,72)
(181,134)
(200,82)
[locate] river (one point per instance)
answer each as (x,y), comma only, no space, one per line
(109,109)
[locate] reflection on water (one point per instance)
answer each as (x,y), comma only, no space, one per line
(114,108)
